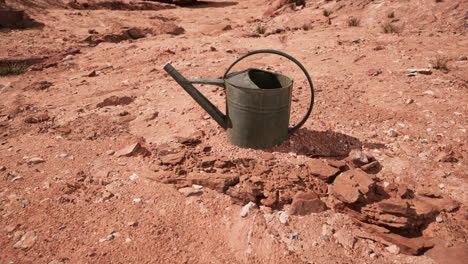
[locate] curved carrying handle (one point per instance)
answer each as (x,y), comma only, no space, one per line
(309,111)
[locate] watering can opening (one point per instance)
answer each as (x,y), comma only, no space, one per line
(258,79)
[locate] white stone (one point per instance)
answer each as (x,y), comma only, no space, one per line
(35,160)
(246,209)
(283,217)
(134,177)
(137,200)
(394,249)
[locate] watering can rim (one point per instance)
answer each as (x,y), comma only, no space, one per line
(229,76)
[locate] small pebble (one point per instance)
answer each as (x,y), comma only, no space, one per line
(394,249)
(246,209)
(137,200)
(134,177)
(132,223)
(283,217)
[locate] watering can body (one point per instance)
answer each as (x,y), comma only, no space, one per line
(258,105)
(258,115)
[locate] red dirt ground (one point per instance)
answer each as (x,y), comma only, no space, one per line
(383,155)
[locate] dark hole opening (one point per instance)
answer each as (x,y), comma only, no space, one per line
(264,80)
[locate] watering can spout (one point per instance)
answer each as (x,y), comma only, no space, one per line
(214,112)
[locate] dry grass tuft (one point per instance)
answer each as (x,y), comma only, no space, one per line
(353,22)
(440,63)
(261,29)
(388,27)
(12,68)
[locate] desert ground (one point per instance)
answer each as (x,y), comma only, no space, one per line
(104,158)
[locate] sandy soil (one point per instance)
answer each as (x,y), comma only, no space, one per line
(105,159)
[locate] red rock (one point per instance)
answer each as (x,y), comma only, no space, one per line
(394,206)
(116,100)
(208,161)
(339,164)
(172,29)
(267,156)
(218,182)
(39,86)
(132,150)
(136,33)
(92,74)
(352,185)
(188,141)
(36,118)
(412,246)
(373,167)
(173,158)
(318,168)
(305,203)
(223,163)
(429,206)
(64,130)
(374,72)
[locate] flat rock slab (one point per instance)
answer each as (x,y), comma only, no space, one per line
(320,169)
(116,100)
(352,185)
(305,203)
(132,150)
(190,191)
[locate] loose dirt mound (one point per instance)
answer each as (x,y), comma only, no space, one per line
(392,213)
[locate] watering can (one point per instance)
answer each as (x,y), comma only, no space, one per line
(258,103)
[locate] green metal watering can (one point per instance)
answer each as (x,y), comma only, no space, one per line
(258,103)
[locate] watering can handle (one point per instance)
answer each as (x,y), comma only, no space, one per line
(309,111)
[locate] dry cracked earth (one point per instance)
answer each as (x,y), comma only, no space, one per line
(104,158)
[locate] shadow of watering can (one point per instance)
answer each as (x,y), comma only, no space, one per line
(258,103)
